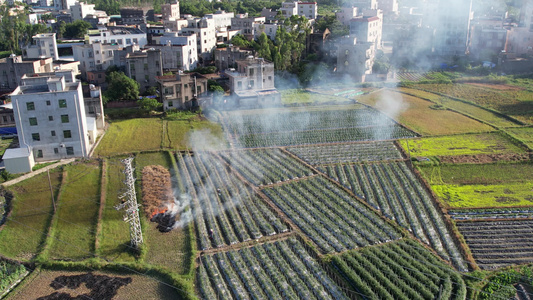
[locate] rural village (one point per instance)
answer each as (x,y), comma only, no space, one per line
(266,149)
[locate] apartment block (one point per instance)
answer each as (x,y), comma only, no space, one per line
(181,91)
(121,35)
(12,69)
(44,45)
(143,67)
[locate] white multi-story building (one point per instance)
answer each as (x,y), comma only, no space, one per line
(121,35)
(44,45)
(368,28)
(355,58)
(94,59)
(303,9)
(346,14)
(80,10)
(245,24)
(269,29)
(178,51)
(63,4)
(170,11)
(181,91)
(222,19)
(50,118)
(205,36)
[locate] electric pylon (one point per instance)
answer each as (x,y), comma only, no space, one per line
(129,203)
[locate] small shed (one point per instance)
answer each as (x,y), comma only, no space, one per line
(18,160)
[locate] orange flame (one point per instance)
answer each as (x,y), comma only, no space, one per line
(159,211)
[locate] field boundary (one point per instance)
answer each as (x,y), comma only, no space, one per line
(103,195)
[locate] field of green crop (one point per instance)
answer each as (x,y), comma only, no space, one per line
(294,96)
(480,195)
(468,144)
(525,134)
(418,115)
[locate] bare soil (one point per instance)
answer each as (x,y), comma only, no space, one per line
(502,87)
(484,158)
(157,190)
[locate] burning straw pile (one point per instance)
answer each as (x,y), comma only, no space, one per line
(158,200)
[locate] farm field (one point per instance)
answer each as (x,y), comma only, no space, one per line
(347,153)
(493,143)
(74,224)
(265,166)
(10,273)
(346,223)
(484,196)
(222,204)
(143,134)
(496,244)
(516,103)
(399,270)
(395,190)
(108,286)
(462,107)
(418,114)
(279,270)
(25,230)
(293,96)
(491,213)
(284,127)
(525,134)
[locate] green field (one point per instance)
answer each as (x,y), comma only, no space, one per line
(294,96)
(468,144)
(418,115)
(487,185)
(462,107)
(26,229)
(525,134)
(125,136)
(73,234)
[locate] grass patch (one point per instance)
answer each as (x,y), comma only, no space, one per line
(297,96)
(421,116)
(525,134)
(465,108)
(488,185)
(179,135)
(26,229)
(127,136)
(115,235)
(77,211)
(468,144)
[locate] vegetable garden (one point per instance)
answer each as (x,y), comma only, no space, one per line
(395,190)
(279,270)
(496,244)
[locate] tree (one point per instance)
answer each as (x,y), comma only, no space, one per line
(148,105)
(61,29)
(264,45)
(120,87)
(76,29)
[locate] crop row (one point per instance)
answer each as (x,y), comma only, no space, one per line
(399,270)
(280,270)
(265,166)
(10,273)
(395,190)
(333,219)
(347,153)
(500,213)
(335,135)
(499,243)
(303,120)
(224,210)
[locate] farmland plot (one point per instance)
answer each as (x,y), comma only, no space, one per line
(221,203)
(399,270)
(394,189)
(491,213)
(265,166)
(280,270)
(347,153)
(294,127)
(332,218)
(497,244)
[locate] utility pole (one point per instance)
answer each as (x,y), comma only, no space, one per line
(131,213)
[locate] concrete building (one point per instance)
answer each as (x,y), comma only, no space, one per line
(346,14)
(451,22)
(178,51)
(252,83)
(520,39)
(133,15)
(170,11)
(487,40)
(355,58)
(205,37)
(50,118)
(389,7)
(365,4)
(63,4)
(221,18)
(175,25)
(368,29)
(227,57)
(44,44)
(270,29)
(143,67)
(181,91)
(7,118)
(121,35)
(94,60)
(81,10)
(12,68)
(303,9)
(245,24)
(269,14)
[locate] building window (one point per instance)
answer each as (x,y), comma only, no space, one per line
(186,98)
(239,85)
(33,121)
(128,41)
(56,151)
(70,150)
(170,103)
(35,137)
(146,66)
(62,103)
(146,77)
(64,118)
(251,72)
(39,153)
(135,41)
(30,105)
(50,118)
(4,118)
(48,103)
(67,134)
(251,84)
(53,133)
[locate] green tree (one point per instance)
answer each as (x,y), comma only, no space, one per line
(120,87)
(264,45)
(61,29)
(76,29)
(148,105)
